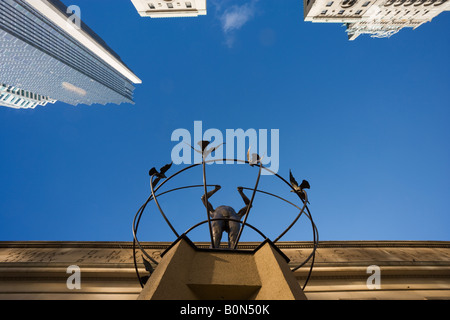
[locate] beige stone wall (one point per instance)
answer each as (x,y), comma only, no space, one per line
(408,270)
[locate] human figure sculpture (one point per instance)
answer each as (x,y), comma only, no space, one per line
(228,214)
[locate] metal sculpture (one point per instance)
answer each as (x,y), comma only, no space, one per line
(222,218)
(225,218)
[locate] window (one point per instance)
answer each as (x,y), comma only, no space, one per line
(188,5)
(324,12)
(341,12)
(358,12)
(366,3)
(151,6)
(169,5)
(329,4)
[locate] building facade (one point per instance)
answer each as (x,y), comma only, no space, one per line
(377,18)
(170,8)
(343,270)
(46,50)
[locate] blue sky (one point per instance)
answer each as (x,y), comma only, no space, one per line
(365,122)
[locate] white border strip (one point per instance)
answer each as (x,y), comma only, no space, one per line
(54,15)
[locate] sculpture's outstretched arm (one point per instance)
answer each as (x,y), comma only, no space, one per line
(243,211)
(208,204)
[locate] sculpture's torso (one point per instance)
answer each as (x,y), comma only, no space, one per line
(224,212)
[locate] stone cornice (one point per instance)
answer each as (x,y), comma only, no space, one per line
(244,245)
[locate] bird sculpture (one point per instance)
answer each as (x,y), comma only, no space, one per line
(203,145)
(147,265)
(161,174)
(253,159)
(299,189)
(149,269)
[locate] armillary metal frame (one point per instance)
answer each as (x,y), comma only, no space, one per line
(154,197)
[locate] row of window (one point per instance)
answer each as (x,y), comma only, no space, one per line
(416,3)
(409,2)
(17,101)
(407,12)
(330,3)
(23,93)
(170,5)
(341,12)
(358,12)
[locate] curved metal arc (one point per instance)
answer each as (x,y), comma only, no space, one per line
(160,210)
(135,240)
(315,232)
(139,213)
(185,187)
(313,254)
(134,244)
(309,215)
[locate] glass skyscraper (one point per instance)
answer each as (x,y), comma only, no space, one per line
(43,53)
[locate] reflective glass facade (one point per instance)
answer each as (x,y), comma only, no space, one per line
(39,57)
